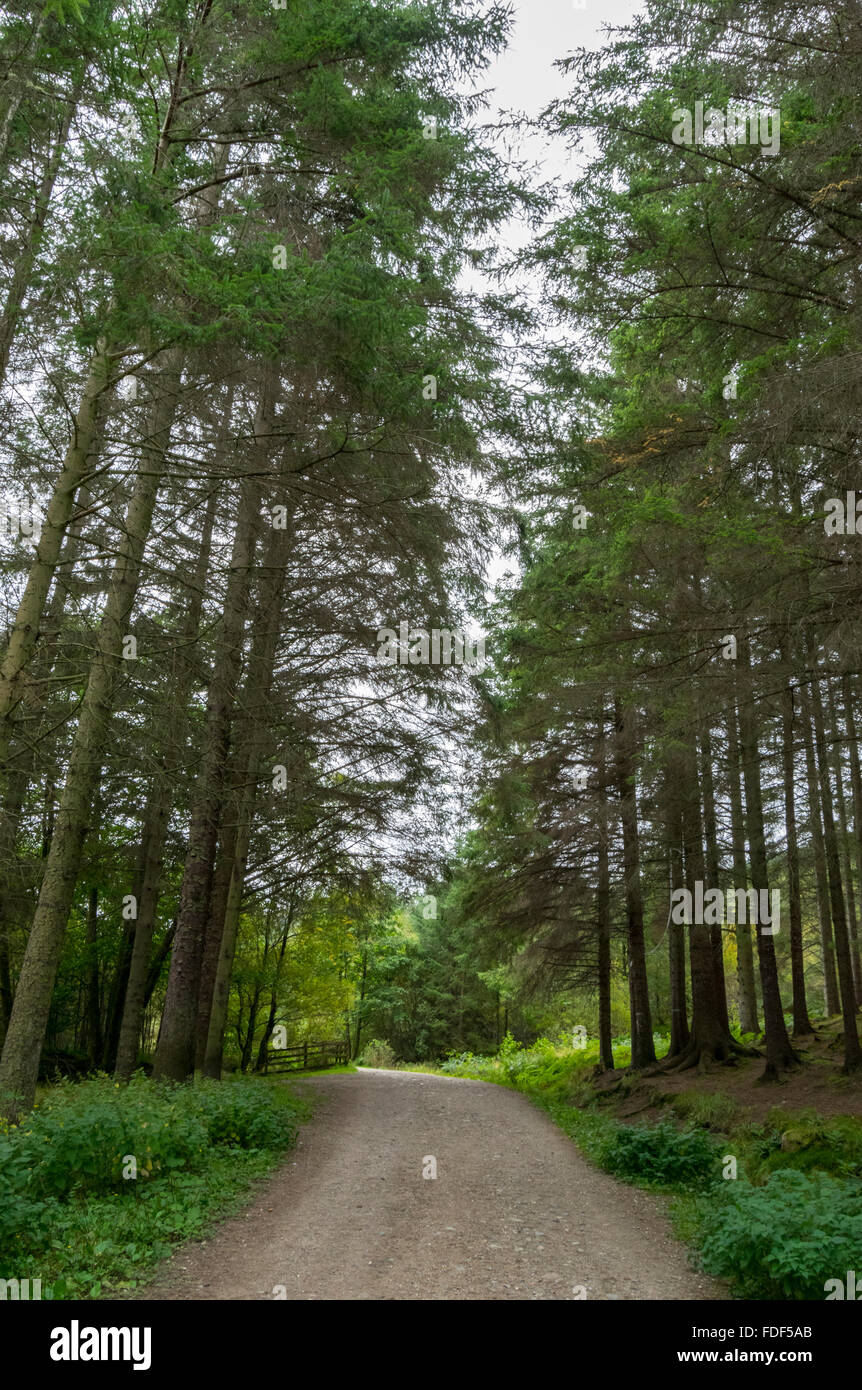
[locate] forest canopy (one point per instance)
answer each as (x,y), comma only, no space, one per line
(279,399)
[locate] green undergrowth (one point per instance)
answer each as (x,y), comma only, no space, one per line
(773,1207)
(98,1181)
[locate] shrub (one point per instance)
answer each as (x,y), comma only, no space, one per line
(470,1065)
(242,1113)
(79,1137)
(545,1069)
(23,1218)
(662,1155)
(377,1053)
(785,1238)
(64,1163)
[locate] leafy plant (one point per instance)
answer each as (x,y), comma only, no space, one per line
(662,1155)
(63,1193)
(377,1053)
(785,1238)
(237,1113)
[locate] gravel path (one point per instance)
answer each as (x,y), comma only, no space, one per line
(514,1212)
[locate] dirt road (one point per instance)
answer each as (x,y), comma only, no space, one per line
(513,1213)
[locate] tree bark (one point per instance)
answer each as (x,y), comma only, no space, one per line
(94,1010)
(748,1020)
(259,683)
(844,842)
(31,608)
(710,1038)
(27,256)
(603,899)
(679,1030)
(830,976)
(19,1064)
(801,1022)
(716,935)
(643,1048)
(175,1053)
(156,820)
(855,780)
(843,958)
(780,1055)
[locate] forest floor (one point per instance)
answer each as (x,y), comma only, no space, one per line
(514,1212)
(817,1085)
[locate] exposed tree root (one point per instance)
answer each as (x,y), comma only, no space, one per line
(724,1053)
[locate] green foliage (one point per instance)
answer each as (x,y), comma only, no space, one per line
(63,1196)
(545,1069)
(712,1110)
(110,1242)
(661,1155)
(242,1114)
(592,1131)
(20,1212)
(806,1142)
(64,9)
(377,1053)
(786,1238)
(424,990)
(78,1139)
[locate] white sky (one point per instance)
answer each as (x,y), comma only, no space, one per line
(524,77)
(523,80)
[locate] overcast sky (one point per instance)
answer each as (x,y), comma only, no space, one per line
(524,77)
(524,80)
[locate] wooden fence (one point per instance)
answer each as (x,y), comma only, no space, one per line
(307,1056)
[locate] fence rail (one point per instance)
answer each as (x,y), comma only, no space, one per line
(308,1056)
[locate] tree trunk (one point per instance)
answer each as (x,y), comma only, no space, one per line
(94,1009)
(603,900)
(643,1048)
(856,781)
(27,257)
(748,1021)
(248,1044)
(780,1055)
(801,1022)
(843,958)
(19,84)
(710,1039)
(679,1031)
(261,665)
(31,608)
(844,843)
(716,935)
(830,975)
(24,1038)
(175,1053)
(158,810)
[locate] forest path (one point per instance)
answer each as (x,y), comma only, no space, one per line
(514,1213)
